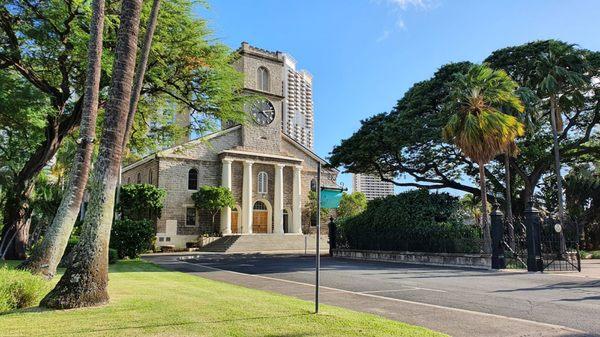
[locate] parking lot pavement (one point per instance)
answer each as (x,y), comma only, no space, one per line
(460,302)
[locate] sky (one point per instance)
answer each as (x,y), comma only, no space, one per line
(365,54)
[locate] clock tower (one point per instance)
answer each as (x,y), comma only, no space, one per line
(263,79)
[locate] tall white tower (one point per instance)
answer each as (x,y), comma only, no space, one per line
(298,113)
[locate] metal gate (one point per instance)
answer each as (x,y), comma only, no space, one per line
(560,246)
(515,250)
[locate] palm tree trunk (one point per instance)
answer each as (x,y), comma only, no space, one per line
(49,251)
(141,69)
(139,79)
(509,214)
(487,236)
(85,281)
(559,188)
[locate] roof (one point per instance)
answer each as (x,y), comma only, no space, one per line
(306,150)
(180,147)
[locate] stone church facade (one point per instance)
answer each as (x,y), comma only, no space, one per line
(269,173)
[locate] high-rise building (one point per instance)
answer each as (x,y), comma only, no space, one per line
(297,119)
(372,186)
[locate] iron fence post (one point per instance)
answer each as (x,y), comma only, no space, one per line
(498,261)
(332,236)
(534,245)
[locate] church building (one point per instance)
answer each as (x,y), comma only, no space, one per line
(267,162)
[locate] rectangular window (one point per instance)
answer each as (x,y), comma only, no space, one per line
(190,217)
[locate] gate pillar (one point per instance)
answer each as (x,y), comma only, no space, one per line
(498,261)
(534,244)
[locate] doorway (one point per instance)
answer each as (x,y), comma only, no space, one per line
(260,218)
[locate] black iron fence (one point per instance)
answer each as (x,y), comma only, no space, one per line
(535,243)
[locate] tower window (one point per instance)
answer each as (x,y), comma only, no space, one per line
(193,179)
(139,178)
(262,182)
(149,176)
(263,79)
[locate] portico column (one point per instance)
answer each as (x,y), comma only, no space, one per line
(247,198)
(278,199)
(296,200)
(226,182)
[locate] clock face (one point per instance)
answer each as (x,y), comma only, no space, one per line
(263,112)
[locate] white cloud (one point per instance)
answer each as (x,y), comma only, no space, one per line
(400,24)
(398,7)
(384,35)
(404,4)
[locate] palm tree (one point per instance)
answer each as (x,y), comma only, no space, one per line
(478,127)
(139,80)
(47,253)
(559,72)
(85,281)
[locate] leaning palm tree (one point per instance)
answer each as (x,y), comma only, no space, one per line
(85,280)
(47,253)
(478,127)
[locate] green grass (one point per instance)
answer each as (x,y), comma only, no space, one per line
(147,300)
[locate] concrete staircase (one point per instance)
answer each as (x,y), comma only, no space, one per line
(265,243)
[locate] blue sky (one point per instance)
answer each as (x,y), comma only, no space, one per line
(364,54)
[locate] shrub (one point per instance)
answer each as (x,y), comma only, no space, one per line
(131,237)
(113,256)
(595,254)
(20,289)
(411,221)
(141,201)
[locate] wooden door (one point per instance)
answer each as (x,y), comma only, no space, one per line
(259,221)
(234,222)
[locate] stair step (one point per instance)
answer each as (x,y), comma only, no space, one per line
(263,242)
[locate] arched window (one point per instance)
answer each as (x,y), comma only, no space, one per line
(149,176)
(139,178)
(193,179)
(262,182)
(260,206)
(129,180)
(263,79)
(313,185)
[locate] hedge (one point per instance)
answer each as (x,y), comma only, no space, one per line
(132,237)
(416,221)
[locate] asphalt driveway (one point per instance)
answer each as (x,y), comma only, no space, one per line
(460,302)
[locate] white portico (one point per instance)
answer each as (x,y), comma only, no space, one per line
(261,210)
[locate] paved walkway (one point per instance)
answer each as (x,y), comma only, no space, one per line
(455,301)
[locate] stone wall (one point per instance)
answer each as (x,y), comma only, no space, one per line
(174,169)
(145,170)
(479,261)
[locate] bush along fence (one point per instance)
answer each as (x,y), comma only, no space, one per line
(413,226)
(534,243)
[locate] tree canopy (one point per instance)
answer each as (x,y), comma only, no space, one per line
(406,146)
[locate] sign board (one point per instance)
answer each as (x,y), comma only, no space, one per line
(330,198)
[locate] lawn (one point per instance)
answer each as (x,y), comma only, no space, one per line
(147,300)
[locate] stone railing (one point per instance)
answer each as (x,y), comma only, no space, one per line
(480,261)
